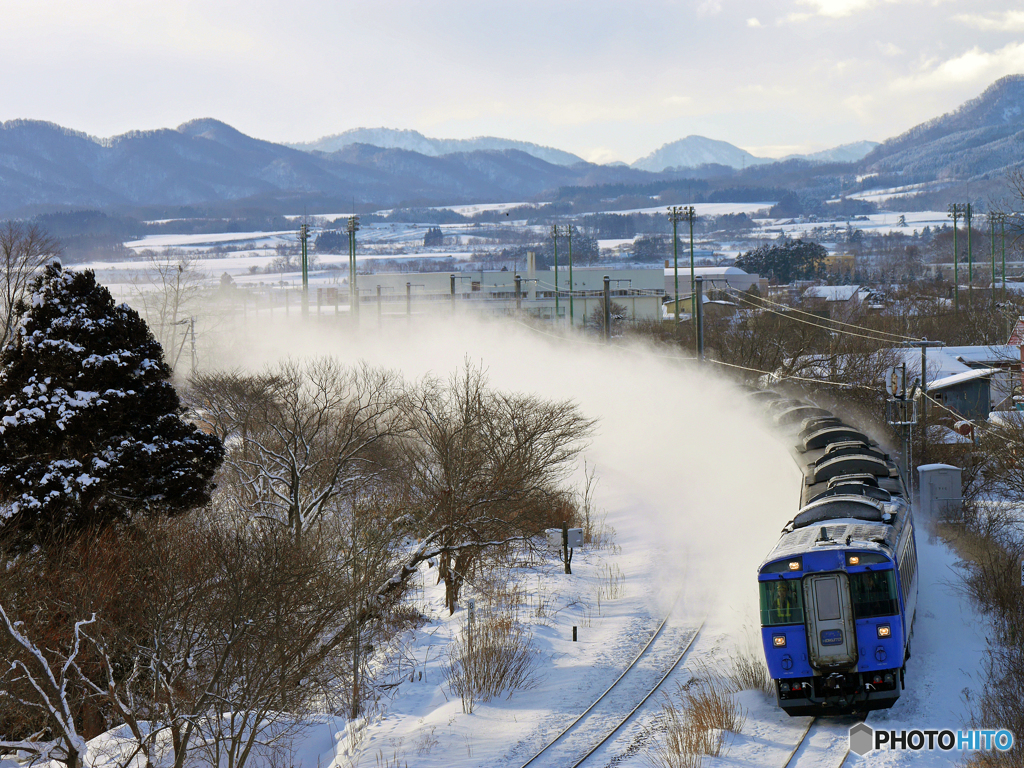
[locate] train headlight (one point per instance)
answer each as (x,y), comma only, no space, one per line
(794,565)
(884,631)
(854,559)
(779,641)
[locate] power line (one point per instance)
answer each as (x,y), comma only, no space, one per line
(837,322)
(818,325)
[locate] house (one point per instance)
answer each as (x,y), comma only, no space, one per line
(833,297)
(841,264)
(967,394)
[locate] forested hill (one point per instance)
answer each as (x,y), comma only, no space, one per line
(43,165)
(981,139)
(205,162)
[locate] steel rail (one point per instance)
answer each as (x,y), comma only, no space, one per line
(610,688)
(633,711)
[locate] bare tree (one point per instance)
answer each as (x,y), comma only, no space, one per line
(24,249)
(45,681)
(304,434)
(485,467)
(166,293)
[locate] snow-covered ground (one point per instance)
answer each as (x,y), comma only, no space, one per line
(696,489)
(703,209)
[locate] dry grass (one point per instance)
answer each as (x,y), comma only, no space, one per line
(991,553)
(749,672)
(610,586)
(492,656)
(596,531)
(695,720)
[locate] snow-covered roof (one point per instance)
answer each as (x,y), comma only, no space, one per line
(1007,418)
(960,378)
(984,355)
(941,435)
(709,271)
(949,361)
(832,292)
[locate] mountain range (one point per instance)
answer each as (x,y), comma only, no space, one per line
(414,141)
(691,152)
(44,166)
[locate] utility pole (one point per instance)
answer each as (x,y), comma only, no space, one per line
(924,344)
(554,241)
(568,234)
(699,294)
(970,259)
(675,215)
(303,237)
(998,216)
(955,209)
(992,236)
(607,310)
(519,293)
(691,215)
(1002,221)
(353,290)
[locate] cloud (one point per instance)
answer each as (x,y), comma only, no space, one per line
(677,101)
(752,22)
(890,49)
(838,8)
(1007,21)
(974,66)
(709,8)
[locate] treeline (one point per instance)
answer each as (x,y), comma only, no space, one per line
(207,588)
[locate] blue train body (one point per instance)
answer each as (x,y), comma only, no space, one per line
(838,592)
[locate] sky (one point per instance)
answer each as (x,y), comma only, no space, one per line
(605,79)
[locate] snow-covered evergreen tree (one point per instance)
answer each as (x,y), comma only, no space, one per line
(90,426)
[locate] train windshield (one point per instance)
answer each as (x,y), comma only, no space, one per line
(781,602)
(873,594)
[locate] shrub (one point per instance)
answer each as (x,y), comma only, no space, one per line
(492,655)
(695,721)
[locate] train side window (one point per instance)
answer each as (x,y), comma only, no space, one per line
(873,594)
(781,602)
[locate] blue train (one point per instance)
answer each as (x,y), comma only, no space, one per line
(838,592)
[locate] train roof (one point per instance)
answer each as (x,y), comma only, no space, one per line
(860,534)
(798,414)
(843,520)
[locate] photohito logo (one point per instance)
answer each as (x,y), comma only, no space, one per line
(864,739)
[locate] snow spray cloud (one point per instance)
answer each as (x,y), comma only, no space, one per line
(693,482)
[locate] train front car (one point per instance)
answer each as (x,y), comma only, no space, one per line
(833,619)
(838,591)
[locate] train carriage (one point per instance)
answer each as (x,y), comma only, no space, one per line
(838,592)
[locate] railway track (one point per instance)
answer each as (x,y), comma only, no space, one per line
(824,744)
(596,725)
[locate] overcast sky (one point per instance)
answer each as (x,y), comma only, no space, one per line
(608,80)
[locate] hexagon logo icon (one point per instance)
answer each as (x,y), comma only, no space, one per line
(862,739)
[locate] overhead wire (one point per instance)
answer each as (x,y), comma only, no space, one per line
(794,310)
(789,316)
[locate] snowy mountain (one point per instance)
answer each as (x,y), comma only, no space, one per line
(390,138)
(694,151)
(206,161)
(697,150)
(844,153)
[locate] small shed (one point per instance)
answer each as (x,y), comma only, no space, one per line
(968,393)
(940,491)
